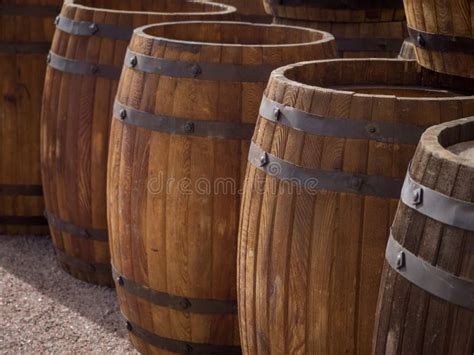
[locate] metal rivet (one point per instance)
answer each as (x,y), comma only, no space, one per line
(123,114)
(120,280)
(129,326)
(400,260)
(263,159)
(133,61)
(372,129)
(276,113)
(184,303)
(48,59)
(189,127)
(94,69)
(420,40)
(196,70)
(189,348)
(355,183)
(93,28)
(417,197)
(56,20)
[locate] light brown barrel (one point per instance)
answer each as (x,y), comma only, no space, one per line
(26,30)
(363,28)
(183,117)
(443,33)
(81,82)
(250,10)
(426,299)
(326,166)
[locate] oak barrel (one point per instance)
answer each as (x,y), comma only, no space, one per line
(26,30)
(81,82)
(183,118)
(363,28)
(443,33)
(426,299)
(326,166)
(249,10)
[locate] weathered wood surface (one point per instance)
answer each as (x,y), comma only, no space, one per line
(447,21)
(26,30)
(407,51)
(174,198)
(310,261)
(362,29)
(77,110)
(409,319)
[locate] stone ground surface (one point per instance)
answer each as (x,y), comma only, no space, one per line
(44,310)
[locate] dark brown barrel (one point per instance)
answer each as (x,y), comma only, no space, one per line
(326,166)
(183,117)
(363,28)
(26,30)
(443,33)
(426,299)
(85,62)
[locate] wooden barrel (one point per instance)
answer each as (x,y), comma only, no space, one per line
(363,28)
(326,165)
(443,32)
(184,115)
(249,10)
(81,82)
(407,51)
(26,30)
(426,299)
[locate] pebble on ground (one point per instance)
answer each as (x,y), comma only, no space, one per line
(45,310)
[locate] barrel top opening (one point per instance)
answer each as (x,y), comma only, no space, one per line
(229,33)
(171,8)
(382,77)
(452,141)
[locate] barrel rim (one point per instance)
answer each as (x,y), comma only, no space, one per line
(430,142)
(326,37)
(224,9)
(280,74)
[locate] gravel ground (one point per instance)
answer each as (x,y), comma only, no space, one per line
(44,310)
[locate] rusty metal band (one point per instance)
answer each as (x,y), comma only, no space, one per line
(179,346)
(185,304)
(75,230)
(381,131)
(198,70)
(441,43)
(369,44)
(85,28)
(435,205)
(23,220)
(25,48)
(432,279)
(182,126)
(344,4)
(29,10)
(81,264)
(317,179)
(21,190)
(83,68)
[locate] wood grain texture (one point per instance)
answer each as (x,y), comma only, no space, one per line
(21,85)
(410,320)
(250,10)
(449,18)
(310,262)
(174,199)
(76,115)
